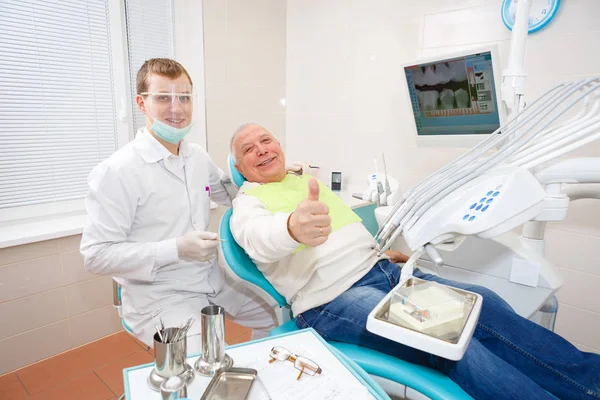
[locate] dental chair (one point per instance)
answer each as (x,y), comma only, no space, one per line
(398,377)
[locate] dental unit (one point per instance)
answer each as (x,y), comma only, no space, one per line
(461,221)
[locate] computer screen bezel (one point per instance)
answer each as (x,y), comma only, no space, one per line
(460,141)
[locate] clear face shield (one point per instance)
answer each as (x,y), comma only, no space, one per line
(170,109)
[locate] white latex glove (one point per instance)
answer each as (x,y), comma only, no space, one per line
(197,245)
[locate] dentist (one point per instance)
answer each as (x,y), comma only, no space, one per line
(148,209)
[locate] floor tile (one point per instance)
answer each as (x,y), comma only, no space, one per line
(244,337)
(112,374)
(233,330)
(87,386)
(140,343)
(63,367)
(11,388)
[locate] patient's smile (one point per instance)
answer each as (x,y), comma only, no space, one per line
(266,162)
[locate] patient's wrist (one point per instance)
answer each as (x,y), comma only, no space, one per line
(289,227)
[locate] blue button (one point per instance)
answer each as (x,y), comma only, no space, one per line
(496,194)
(479,207)
(489,193)
(482,200)
(472,218)
(484,208)
(473,206)
(466,216)
(489,201)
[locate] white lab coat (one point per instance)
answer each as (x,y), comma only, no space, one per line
(139,201)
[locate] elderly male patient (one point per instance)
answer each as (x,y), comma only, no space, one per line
(315,251)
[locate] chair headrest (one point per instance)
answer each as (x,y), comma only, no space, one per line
(237,178)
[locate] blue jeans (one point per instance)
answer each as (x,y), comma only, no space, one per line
(509,357)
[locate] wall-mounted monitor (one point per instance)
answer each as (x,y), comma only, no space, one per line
(456,98)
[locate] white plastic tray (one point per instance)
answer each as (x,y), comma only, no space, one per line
(444,344)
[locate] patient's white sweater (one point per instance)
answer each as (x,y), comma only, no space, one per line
(312,276)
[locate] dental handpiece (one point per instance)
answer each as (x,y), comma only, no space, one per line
(388,191)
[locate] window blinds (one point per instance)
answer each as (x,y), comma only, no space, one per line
(149,35)
(57,107)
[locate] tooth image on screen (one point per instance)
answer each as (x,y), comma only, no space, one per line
(447,99)
(430,99)
(429,77)
(442,73)
(418,76)
(462,98)
(458,70)
(455,98)
(420,98)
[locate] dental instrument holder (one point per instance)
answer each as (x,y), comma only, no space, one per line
(378,321)
(213,342)
(376,192)
(170,360)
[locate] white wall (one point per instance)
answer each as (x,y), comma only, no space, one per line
(244,44)
(347,102)
(189,51)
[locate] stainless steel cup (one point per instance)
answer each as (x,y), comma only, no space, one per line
(170,357)
(213,342)
(170,360)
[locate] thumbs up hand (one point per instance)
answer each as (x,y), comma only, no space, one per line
(310,223)
(313,190)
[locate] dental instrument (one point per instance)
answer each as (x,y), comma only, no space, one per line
(388,190)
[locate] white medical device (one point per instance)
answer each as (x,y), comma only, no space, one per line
(456,98)
(514,177)
(507,181)
(382,189)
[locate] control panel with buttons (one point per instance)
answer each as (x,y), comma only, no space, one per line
(473,210)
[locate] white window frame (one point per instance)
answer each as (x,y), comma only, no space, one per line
(26,224)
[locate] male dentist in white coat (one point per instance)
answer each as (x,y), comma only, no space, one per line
(148,209)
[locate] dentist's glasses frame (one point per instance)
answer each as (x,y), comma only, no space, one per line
(169,98)
(303,364)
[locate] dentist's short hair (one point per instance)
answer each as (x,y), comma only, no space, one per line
(239,130)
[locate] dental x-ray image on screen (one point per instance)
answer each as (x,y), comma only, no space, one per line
(454,96)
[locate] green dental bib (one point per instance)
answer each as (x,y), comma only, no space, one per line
(285,196)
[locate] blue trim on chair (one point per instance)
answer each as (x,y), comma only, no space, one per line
(241,264)
(125,325)
(359,371)
(427,381)
(237,178)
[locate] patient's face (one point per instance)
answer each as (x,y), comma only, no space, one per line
(259,156)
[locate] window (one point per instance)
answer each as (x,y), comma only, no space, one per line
(67,78)
(58,117)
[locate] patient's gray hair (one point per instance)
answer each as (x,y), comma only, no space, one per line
(239,130)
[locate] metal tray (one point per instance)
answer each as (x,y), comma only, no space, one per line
(230,384)
(450,332)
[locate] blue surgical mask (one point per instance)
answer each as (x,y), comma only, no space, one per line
(169,133)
